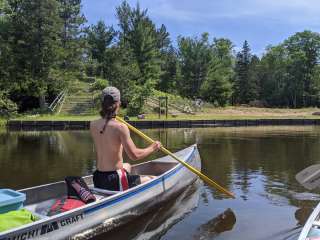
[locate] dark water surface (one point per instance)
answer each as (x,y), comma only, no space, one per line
(257,163)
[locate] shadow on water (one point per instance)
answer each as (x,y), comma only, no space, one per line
(157,222)
(223,222)
(302,214)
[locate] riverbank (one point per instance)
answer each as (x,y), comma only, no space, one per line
(214,117)
(227,113)
(17,125)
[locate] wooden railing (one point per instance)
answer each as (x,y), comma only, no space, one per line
(57,101)
(185,108)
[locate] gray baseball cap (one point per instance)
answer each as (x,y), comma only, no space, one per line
(111,91)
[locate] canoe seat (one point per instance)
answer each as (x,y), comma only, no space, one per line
(155,168)
(103,191)
(42,208)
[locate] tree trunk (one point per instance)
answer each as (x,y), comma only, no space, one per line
(42,103)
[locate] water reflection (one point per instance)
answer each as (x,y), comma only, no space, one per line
(32,158)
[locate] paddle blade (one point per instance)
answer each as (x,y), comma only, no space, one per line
(309,177)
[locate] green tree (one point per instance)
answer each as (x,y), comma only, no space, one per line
(314,93)
(4,45)
(294,89)
(254,82)
(170,71)
(7,107)
(124,74)
(163,39)
(34,39)
(71,35)
(99,38)
(289,72)
(217,87)
(169,62)
(194,56)
(303,56)
(273,76)
(245,89)
(140,38)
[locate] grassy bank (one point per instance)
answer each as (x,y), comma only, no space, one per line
(49,117)
(207,114)
(3,122)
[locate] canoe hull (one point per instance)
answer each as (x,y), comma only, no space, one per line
(111,212)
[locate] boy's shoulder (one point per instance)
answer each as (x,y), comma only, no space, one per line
(119,125)
(111,123)
(95,123)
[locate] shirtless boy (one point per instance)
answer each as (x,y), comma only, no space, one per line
(110,138)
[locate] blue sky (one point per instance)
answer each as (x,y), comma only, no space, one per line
(261,22)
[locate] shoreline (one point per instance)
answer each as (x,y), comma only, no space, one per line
(44,125)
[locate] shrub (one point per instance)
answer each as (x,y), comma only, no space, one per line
(99,85)
(136,97)
(257,103)
(135,106)
(7,107)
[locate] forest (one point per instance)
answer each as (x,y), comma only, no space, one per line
(47,45)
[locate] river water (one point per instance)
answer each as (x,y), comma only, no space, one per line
(257,163)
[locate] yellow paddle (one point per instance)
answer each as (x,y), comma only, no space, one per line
(192,169)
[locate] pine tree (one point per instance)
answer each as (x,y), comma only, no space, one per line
(195,56)
(140,37)
(4,45)
(217,87)
(34,40)
(254,83)
(170,71)
(71,34)
(244,85)
(99,38)
(163,39)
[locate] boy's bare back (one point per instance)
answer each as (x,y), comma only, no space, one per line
(108,144)
(110,139)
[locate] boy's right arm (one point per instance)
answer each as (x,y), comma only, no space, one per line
(132,151)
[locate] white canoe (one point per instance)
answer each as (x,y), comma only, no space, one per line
(311,229)
(109,211)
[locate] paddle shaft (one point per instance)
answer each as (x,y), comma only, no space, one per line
(192,169)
